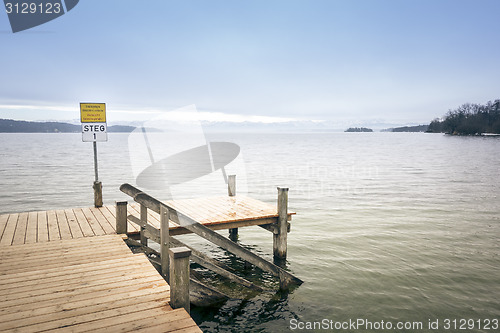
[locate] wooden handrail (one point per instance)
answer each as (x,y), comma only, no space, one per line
(286,279)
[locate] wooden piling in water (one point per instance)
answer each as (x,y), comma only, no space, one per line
(280,238)
(121,217)
(231,191)
(179,278)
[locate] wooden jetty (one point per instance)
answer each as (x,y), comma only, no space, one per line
(67,259)
(84,284)
(200,216)
(215,212)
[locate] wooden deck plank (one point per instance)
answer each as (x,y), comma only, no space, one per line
(109,216)
(96,226)
(74,226)
(60,281)
(156,323)
(10,228)
(66,255)
(18,280)
(11,322)
(224,209)
(58,244)
(184,208)
(95,293)
(55,246)
(213,211)
(3,223)
(103,222)
(20,232)
(42,227)
(195,210)
(53,226)
(100,260)
(183,325)
(108,288)
(32,228)
(234,209)
(51,258)
(99,279)
(86,282)
(110,318)
(83,223)
(62,304)
(89,319)
(62,222)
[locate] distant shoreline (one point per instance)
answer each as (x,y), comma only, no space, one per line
(21,126)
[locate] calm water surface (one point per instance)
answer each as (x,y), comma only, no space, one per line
(392,227)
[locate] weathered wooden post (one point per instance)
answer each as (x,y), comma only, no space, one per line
(97,193)
(231,191)
(97,184)
(280,238)
(121,217)
(179,277)
(144,222)
(164,239)
(231,185)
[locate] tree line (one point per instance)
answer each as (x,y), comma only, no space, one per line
(469,119)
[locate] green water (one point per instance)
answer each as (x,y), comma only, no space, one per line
(393,227)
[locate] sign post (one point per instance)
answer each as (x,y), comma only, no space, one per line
(94,129)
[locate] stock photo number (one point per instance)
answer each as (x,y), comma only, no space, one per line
(26,14)
(33,8)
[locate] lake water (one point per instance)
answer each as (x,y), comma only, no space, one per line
(390,227)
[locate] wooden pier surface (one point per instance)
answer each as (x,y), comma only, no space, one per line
(214,212)
(68,270)
(77,285)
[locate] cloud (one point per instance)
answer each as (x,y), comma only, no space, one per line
(184,114)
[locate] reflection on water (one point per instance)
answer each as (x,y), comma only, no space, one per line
(389,226)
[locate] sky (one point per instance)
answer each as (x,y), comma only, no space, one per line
(393,61)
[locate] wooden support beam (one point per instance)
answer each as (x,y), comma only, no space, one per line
(121,217)
(149,232)
(176,231)
(185,221)
(199,258)
(280,239)
(273,227)
(216,266)
(231,191)
(199,294)
(164,242)
(144,223)
(179,278)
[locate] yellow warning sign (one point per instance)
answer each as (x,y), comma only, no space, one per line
(93,112)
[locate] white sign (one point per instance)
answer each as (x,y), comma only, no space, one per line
(94,132)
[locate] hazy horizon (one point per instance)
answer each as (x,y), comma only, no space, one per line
(352,62)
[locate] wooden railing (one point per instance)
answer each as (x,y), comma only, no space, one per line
(162,237)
